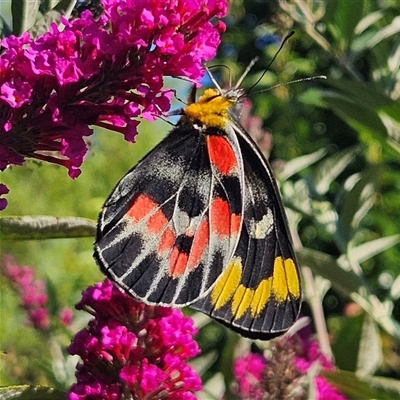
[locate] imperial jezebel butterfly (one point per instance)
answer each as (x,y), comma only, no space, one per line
(199,222)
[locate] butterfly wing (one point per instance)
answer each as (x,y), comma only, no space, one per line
(258,294)
(172,223)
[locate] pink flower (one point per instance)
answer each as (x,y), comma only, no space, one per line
(96,71)
(32,293)
(3,190)
(132,348)
(248,371)
(65,316)
(282,374)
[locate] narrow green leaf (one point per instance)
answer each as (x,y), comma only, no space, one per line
(367,21)
(28,392)
(370,354)
(24,13)
(5,30)
(63,8)
(346,345)
(299,163)
(355,114)
(371,97)
(347,15)
(395,289)
(213,389)
(367,122)
(323,264)
(52,291)
(393,130)
(45,227)
(367,388)
(384,33)
(370,249)
(330,168)
(356,203)
(297,196)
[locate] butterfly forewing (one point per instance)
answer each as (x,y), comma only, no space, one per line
(173,222)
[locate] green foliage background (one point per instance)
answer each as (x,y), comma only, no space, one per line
(336,146)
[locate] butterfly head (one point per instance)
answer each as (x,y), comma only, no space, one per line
(213,107)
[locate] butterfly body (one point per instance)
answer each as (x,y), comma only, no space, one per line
(199,222)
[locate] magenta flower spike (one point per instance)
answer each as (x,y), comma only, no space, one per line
(107,72)
(131,350)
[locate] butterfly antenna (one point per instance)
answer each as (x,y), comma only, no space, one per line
(213,80)
(287,37)
(311,78)
(246,71)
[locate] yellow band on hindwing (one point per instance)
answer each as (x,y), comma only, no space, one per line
(227,283)
(293,279)
(241,301)
(261,296)
(284,282)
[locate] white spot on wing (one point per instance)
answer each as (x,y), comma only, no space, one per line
(260,229)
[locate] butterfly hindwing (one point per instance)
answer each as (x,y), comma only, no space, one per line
(258,294)
(172,223)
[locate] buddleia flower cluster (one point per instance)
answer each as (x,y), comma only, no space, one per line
(284,371)
(106,71)
(131,350)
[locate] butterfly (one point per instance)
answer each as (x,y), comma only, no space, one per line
(199,222)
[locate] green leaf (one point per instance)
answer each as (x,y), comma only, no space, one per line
(370,354)
(5,30)
(213,389)
(347,342)
(395,289)
(24,13)
(63,8)
(346,17)
(367,21)
(28,392)
(384,33)
(366,121)
(330,168)
(299,163)
(323,264)
(325,215)
(356,203)
(370,249)
(372,98)
(53,304)
(45,227)
(393,130)
(364,388)
(355,114)
(297,196)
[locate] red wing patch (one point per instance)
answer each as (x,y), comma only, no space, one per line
(221,154)
(178,261)
(167,240)
(179,224)
(224,223)
(141,207)
(200,243)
